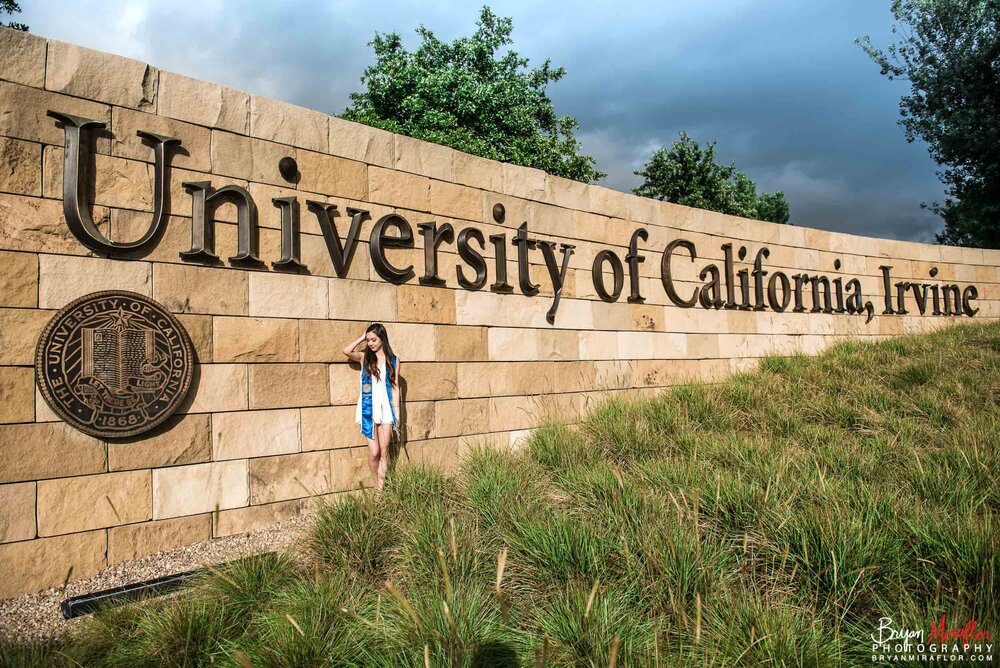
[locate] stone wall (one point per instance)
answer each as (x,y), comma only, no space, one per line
(268,427)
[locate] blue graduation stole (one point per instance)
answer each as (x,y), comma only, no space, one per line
(367,423)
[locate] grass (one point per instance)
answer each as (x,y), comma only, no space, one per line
(771,519)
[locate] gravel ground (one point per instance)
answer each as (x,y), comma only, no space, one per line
(33,617)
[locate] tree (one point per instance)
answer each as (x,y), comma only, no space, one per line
(949,51)
(467,96)
(687,174)
(11,7)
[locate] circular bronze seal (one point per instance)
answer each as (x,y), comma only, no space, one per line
(114,364)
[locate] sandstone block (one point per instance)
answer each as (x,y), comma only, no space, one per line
(194,152)
(361,142)
(199,329)
(440,453)
(332,176)
(278,121)
(558,344)
(200,488)
(255,434)
(370,301)
(330,427)
(645,317)
(232,155)
(289,385)
(614,374)
(23,57)
(95,75)
(17,511)
(462,417)
(23,114)
(598,345)
(349,469)
(289,477)
(190,289)
(461,343)
(255,339)
(63,278)
(203,103)
(216,388)
(524,182)
(17,394)
(345,383)
(485,379)
(126,543)
(418,419)
(22,167)
(567,193)
(182,439)
(37,226)
(574,376)
(412,341)
(424,158)
(513,345)
(69,505)
(424,381)
(616,315)
(507,413)
(322,340)
(49,562)
(532,377)
(255,518)
(425,304)
(47,450)
(477,172)
(18,279)
(288,296)
(398,189)
(607,201)
(456,201)
(264,159)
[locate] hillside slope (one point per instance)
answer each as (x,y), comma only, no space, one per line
(773,518)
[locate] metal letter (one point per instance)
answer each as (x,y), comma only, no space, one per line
(432,239)
(667,279)
(597,274)
(78,217)
(291,250)
(341,254)
(473,257)
(380,241)
(203,224)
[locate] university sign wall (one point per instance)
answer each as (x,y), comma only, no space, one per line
(181,264)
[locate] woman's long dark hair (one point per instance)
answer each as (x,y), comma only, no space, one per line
(371,361)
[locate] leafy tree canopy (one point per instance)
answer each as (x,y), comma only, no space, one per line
(949,51)
(11,7)
(467,96)
(687,174)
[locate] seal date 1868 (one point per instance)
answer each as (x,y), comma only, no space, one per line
(114,364)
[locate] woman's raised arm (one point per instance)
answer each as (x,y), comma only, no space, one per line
(351,353)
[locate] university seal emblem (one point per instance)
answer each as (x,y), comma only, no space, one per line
(114,364)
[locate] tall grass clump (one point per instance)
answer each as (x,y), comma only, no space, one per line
(771,519)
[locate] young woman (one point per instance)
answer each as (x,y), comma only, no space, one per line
(378,397)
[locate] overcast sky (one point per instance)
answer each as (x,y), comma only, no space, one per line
(779,84)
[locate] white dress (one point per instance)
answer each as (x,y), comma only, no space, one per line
(381,408)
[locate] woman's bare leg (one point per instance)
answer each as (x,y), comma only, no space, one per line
(374,452)
(384,433)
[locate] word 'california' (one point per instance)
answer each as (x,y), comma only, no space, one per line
(747,288)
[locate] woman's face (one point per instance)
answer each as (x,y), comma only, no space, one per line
(373,341)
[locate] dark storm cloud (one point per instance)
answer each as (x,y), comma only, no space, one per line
(779,85)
